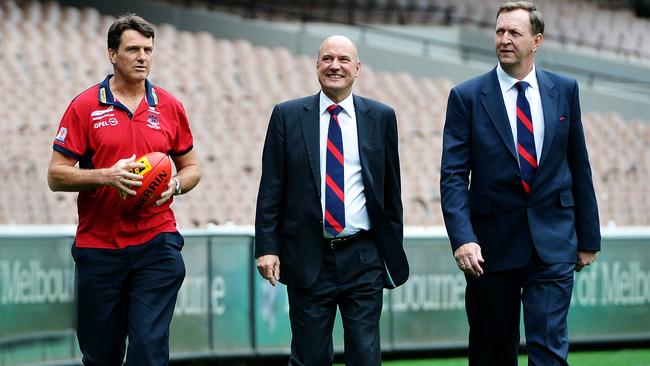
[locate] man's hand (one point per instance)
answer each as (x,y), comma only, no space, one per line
(468,258)
(585,258)
(168,193)
(119,175)
(269,267)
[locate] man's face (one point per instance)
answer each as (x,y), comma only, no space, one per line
(515,42)
(337,67)
(132,59)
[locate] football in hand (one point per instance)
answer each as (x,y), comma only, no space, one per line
(156,173)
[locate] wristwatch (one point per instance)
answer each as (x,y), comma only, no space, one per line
(177,189)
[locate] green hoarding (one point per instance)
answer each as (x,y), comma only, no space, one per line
(611,298)
(190,327)
(230,299)
(213,312)
(225,308)
(37,282)
(428,310)
(36,297)
(272,330)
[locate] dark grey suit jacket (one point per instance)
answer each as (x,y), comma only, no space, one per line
(289,221)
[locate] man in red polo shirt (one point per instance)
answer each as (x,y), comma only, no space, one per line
(128,265)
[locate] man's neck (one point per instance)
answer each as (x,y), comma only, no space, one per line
(126,89)
(518,72)
(337,98)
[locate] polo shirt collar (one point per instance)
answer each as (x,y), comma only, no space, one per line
(105,95)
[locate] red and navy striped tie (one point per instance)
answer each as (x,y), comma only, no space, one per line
(525,139)
(334,177)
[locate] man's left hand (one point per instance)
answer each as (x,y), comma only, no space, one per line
(585,258)
(168,193)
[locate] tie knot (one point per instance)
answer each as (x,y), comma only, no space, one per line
(334,109)
(521,85)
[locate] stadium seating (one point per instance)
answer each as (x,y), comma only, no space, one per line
(48,55)
(604,26)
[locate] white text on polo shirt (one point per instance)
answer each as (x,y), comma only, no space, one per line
(110,122)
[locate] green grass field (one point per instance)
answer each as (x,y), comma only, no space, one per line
(636,357)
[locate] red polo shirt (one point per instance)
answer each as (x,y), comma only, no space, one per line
(98,130)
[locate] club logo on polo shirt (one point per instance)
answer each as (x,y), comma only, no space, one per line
(60,136)
(152,120)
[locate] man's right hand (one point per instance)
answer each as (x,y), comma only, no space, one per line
(269,267)
(468,258)
(119,175)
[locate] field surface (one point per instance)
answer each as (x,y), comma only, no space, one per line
(636,357)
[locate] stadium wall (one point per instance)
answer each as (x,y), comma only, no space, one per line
(226,309)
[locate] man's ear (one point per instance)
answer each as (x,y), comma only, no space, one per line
(537,41)
(111,56)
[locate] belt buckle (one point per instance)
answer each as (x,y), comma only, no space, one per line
(334,241)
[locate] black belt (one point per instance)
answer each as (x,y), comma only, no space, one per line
(340,242)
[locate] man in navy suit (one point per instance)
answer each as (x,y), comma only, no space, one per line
(329,211)
(527,217)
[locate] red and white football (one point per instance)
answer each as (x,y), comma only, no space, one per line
(156,174)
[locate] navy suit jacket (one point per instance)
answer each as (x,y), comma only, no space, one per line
(289,217)
(491,208)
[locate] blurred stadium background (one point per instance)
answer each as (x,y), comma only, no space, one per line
(229,62)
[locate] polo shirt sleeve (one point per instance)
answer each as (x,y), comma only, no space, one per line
(183,141)
(72,138)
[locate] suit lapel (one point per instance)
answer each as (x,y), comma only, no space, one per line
(549,96)
(310,120)
(492,100)
(365,129)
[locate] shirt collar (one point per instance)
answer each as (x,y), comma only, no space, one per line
(105,95)
(507,82)
(347,104)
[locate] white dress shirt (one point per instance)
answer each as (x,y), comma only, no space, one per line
(356,214)
(509,91)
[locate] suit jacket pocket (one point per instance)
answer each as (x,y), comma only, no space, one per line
(480,207)
(566,199)
(289,228)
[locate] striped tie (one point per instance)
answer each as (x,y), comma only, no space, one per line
(525,139)
(334,192)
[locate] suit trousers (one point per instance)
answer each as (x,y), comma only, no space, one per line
(130,291)
(493,304)
(351,278)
